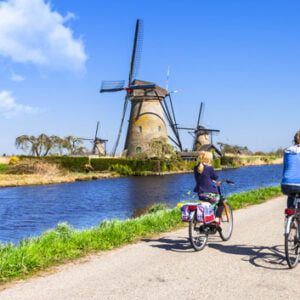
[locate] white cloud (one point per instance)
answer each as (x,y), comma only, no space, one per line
(31,32)
(16,77)
(10,109)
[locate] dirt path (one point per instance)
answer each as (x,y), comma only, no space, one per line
(251,265)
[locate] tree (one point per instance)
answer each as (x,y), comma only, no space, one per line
(160,148)
(72,144)
(39,146)
(58,144)
(25,142)
(43,144)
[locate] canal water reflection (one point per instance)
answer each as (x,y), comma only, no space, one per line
(28,211)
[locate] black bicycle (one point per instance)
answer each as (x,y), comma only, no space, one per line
(198,232)
(291,235)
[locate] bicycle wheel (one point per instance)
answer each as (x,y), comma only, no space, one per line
(226,221)
(198,238)
(291,242)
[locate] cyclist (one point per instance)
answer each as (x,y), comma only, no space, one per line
(205,185)
(290,184)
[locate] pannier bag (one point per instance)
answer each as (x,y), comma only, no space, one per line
(205,213)
(185,212)
(204,210)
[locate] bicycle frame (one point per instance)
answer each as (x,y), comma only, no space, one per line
(291,235)
(291,214)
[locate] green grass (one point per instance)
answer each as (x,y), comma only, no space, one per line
(3,167)
(253,197)
(64,243)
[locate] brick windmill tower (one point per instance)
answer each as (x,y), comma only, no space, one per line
(149,112)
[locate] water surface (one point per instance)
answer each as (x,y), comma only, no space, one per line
(28,211)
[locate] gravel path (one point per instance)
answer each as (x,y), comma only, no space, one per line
(251,265)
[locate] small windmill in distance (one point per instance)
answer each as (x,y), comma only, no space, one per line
(99,145)
(200,133)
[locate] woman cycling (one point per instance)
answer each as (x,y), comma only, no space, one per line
(205,185)
(290,184)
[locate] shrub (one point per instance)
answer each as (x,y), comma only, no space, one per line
(32,166)
(139,166)
(216,163)
(103,164)
(233,161)
(157,166)
(67,162)
(121,169)
(156,207)
(88,168)
(13,160)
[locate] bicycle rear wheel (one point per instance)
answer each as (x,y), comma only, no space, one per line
(198,238)
(291,242)
(226,221)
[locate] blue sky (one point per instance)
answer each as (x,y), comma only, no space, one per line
(241,58)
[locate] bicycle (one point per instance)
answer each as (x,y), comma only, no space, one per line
(198,232)
(291,235)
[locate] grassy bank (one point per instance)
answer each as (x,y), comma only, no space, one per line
(63,243)
(11,180)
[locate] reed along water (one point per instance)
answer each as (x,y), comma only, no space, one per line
(28,211)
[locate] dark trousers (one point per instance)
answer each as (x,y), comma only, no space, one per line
(291,201)
(290,191)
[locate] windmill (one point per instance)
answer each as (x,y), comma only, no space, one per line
(148,106)
(99,145)
(200,133)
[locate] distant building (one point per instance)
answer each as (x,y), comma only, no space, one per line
(192,155)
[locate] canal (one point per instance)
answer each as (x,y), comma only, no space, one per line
(28,211)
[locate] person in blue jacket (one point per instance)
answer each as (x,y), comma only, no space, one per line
(290,184)
(205,177)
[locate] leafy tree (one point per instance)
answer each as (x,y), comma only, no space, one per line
(73,144)
(39,146)
(25,142)
(58,144)
(43,144)
(160,148)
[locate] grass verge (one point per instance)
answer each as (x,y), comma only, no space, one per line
(64,243)
(3,167)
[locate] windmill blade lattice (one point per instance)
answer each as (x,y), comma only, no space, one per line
(136,51)
(112,86)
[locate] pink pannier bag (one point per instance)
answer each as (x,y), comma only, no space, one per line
(185,211)
(204,210)
(205,213)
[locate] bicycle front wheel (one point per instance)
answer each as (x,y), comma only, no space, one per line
(291,242)
(226,221)
(198,238)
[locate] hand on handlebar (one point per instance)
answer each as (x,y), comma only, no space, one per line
(227,181)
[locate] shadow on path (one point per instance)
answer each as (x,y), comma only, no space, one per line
(178,245)
(272,258)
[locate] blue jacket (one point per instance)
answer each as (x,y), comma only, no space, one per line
(204,181)
(291,168)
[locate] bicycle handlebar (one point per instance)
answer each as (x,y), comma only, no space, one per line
(227,181)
